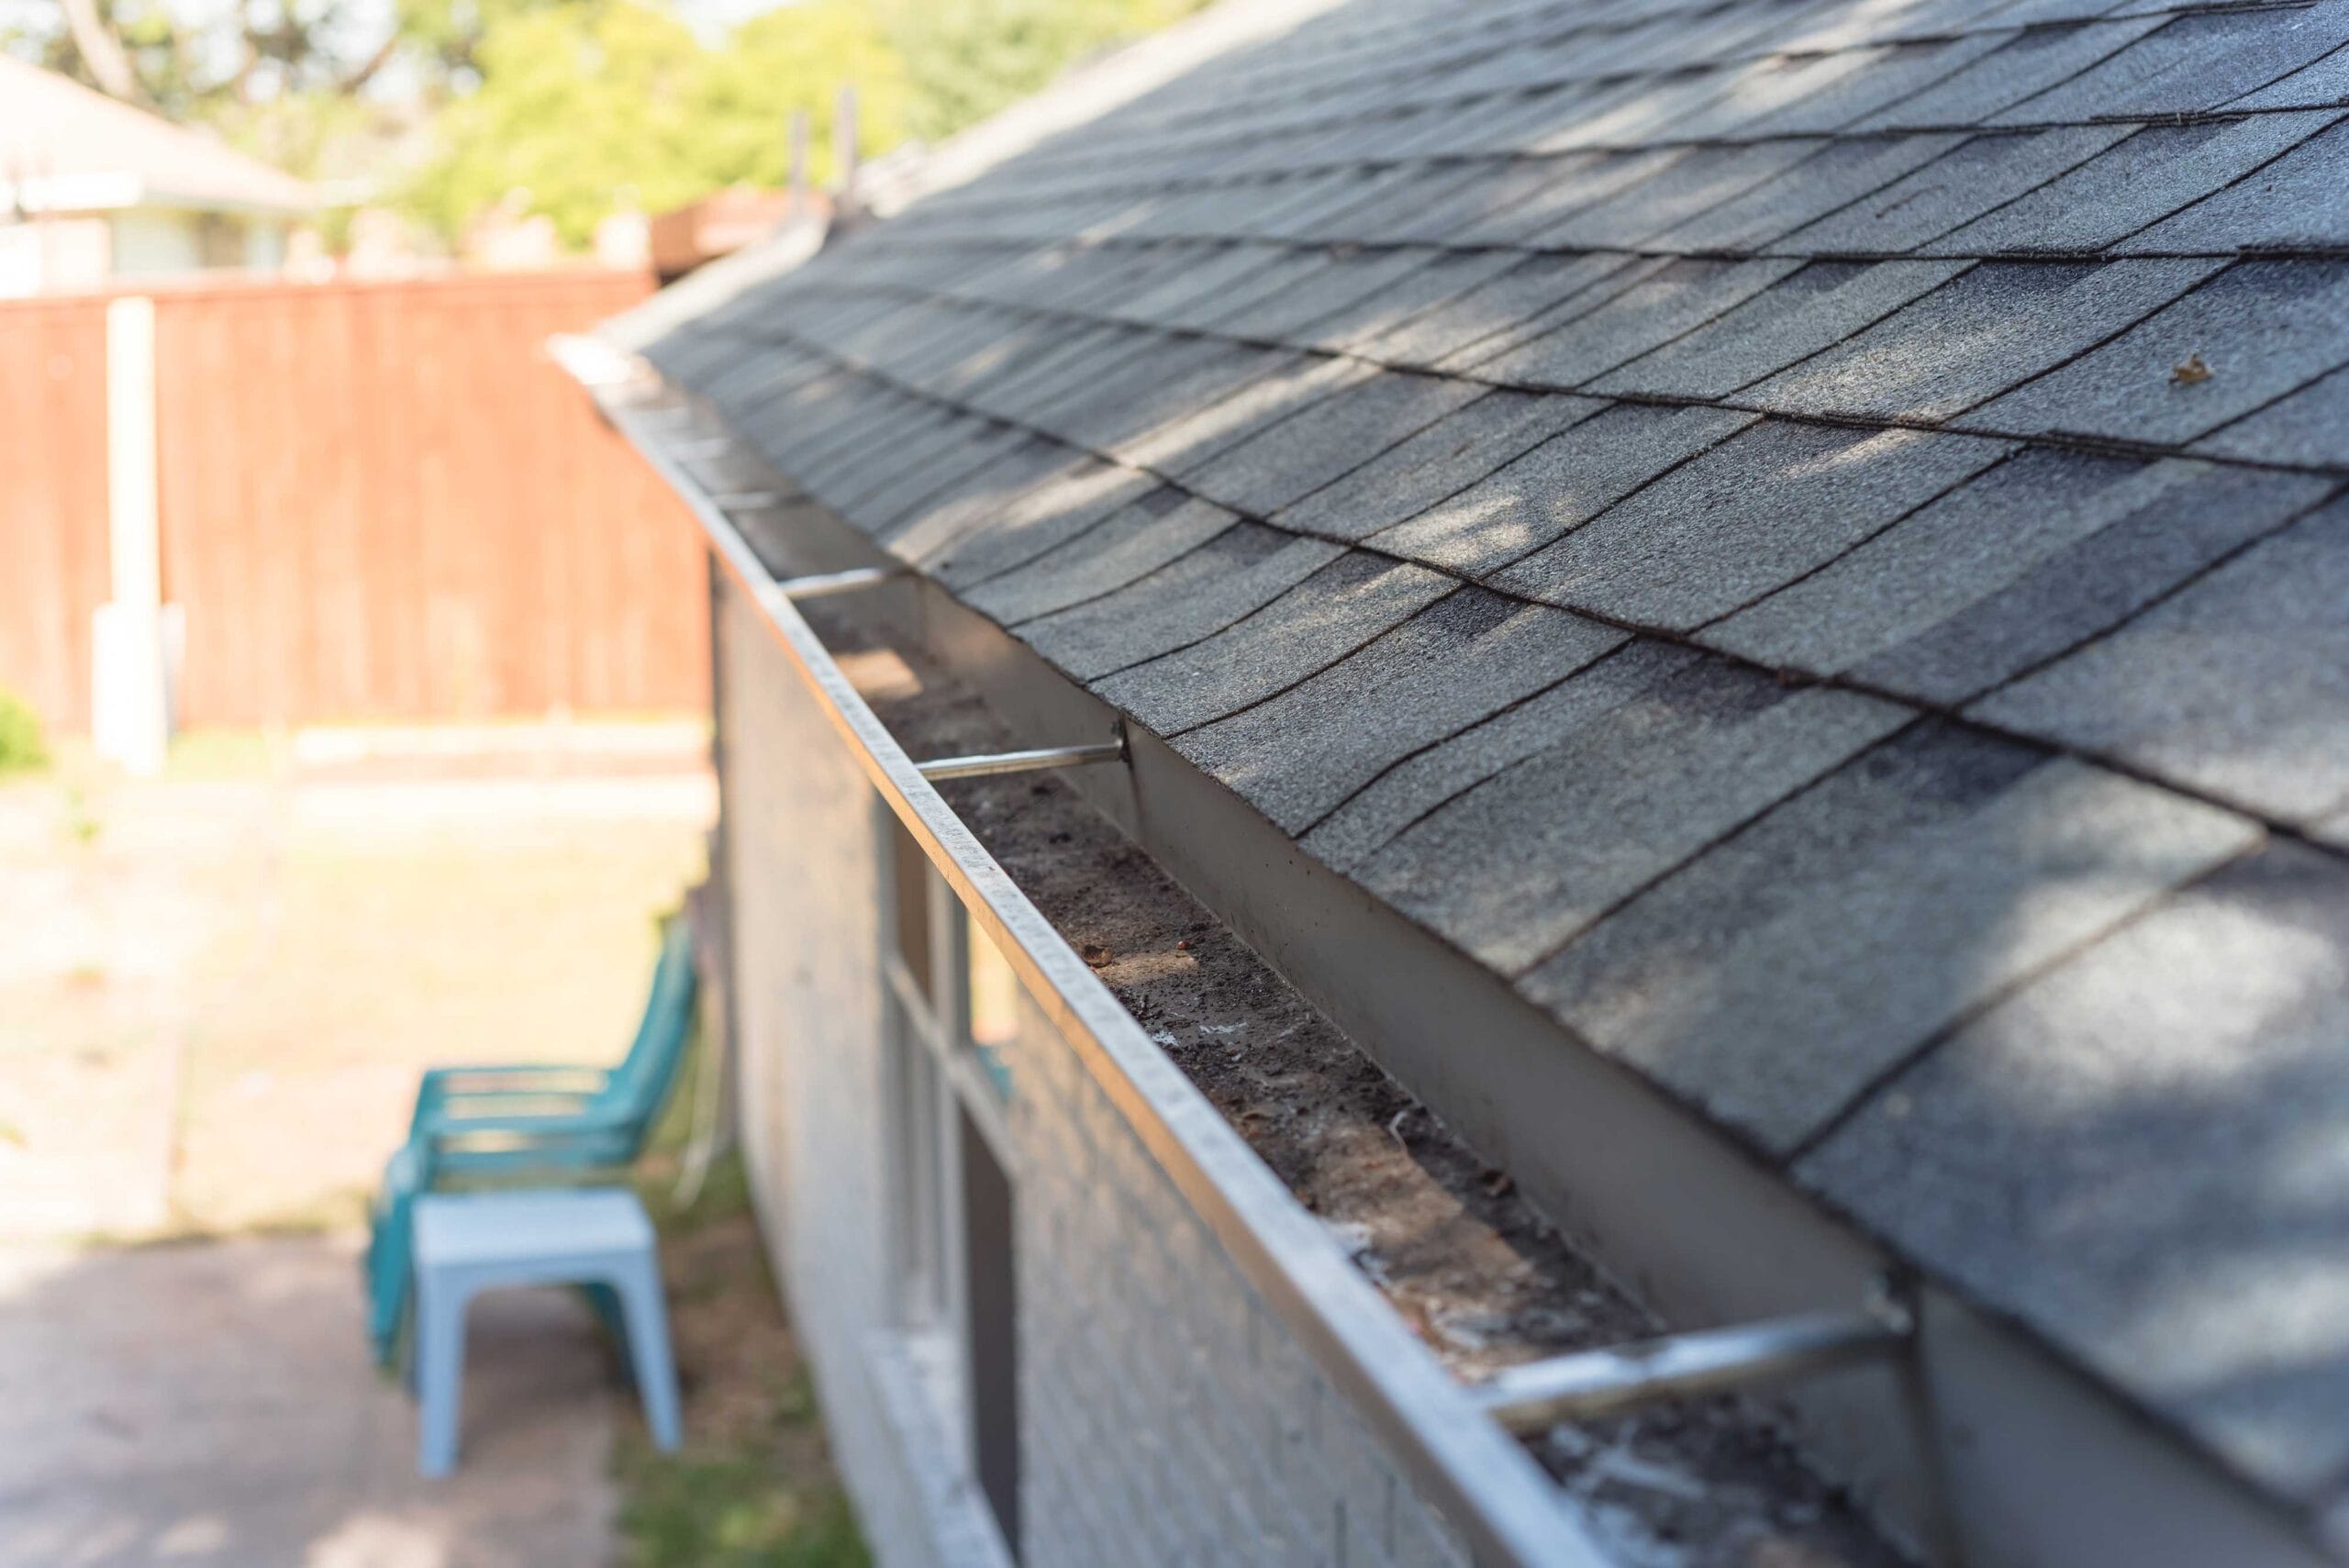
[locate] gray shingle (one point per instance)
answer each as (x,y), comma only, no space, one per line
(1340,280)
(1446,669)
(1954,189)
(2315,85)
(1504,304)
(2310,427)
(1751,514)
(2138,1156)
(997,494)
(938,455)
(1128,379)
(2151,174)
(1686,189)
(1400,212)
(1326,202)
(2261,328)
(1842,173)
(1229,312)
(1022,389)
(1871,80)
(1128,544)
(1802,313)
(1013,342)
(1653,753)
(941,451)
(1558,485)
(2194,63)
(1971,339)
(1416,786)
(2044,551)
(2031,63)
(2297,202)
(1774,978)
(1192,277)
(1329,438)
(1636,113)
(2238,686)
(1542,116)
(1449,277)
(1445,458)
(1451,200)
(1577,181)
(1053,512)
(1237,571)
(1673,299)
(1205,427)
(1315,624)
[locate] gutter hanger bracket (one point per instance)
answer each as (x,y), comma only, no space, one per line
(988,764)
(824,583)
(1592,1383)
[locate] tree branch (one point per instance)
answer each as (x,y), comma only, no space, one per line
(101,51)
(367,68)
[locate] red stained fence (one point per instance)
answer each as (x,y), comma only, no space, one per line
(378,501)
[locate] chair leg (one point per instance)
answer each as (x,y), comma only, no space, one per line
(440,1371)
(639,1286)
(604,1303)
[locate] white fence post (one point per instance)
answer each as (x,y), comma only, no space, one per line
(135,636)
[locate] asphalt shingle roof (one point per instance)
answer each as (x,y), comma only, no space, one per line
(1804,537)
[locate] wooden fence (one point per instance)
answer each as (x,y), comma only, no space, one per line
(378,501)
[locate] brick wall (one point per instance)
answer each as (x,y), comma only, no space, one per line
(1167,1417)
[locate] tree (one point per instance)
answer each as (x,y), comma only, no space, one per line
(965,61)
(571,109)
(596,104)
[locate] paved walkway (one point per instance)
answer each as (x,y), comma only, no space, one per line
(211,1405)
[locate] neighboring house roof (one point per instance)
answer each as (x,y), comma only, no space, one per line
(1807,538)
(66,148)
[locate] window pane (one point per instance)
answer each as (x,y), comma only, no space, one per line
(994,1007)
(912,898)
(992,1296)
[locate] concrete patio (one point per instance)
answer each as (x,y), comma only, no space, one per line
(214,1404)
(221,987)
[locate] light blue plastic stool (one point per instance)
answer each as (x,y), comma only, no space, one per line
(469,1242)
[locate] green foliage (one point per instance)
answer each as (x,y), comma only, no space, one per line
(966,60)
(593,106)
(586,106)
(22,746)
(577,109)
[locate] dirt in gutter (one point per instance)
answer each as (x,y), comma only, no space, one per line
(1481,1277)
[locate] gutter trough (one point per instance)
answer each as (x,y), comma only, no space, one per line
(1467,1464)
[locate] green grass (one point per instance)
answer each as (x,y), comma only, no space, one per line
(22,747)
(753,1486)
(737,1506)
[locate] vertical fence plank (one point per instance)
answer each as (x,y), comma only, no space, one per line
(379,502)
(52,502)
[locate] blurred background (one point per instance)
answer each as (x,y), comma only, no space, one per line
(422,135)
(354,718)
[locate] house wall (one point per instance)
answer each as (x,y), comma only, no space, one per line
(1164,1413)
(156,243)
(52,255)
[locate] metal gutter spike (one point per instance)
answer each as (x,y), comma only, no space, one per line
(1022,762)
(825,584)
(1591,1383)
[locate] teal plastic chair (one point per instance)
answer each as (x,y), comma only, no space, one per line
(517,1124)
